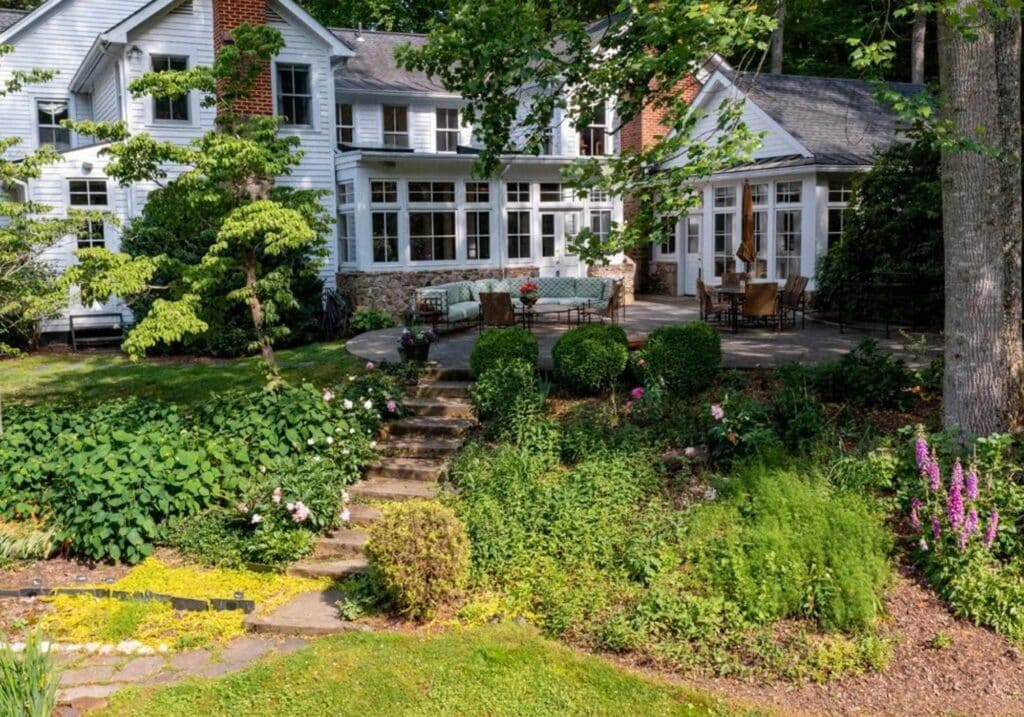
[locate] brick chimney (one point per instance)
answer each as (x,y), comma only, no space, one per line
(227,15)
(639,133)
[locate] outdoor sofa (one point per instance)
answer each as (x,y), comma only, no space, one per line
(459,302)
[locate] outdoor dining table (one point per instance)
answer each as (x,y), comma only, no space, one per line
(735,294)
(530,314)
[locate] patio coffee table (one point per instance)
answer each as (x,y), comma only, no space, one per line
(531,315)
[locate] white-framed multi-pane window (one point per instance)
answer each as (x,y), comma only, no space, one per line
(601,224)
(89,195)
(395,125)
(724,230)
(788,228)
(385,236)
(346,193)
(478,235)
(49,115)
(840,194)
(346,222)
(432,236)
(668,247)
(599,196)
(594,137)
(447,129)
(344,117)
(432,192)
(760,195)
(517,192)
(478,192)
(518,235)
(552,192)
(170,109)
(383,191)
(295,94)
(547,235)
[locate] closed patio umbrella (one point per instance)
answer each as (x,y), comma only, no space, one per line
(747,252)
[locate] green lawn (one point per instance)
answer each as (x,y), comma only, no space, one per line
(494,670)
(88,378)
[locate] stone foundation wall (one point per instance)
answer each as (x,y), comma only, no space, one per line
(392,291)
(624,271)
(665,278)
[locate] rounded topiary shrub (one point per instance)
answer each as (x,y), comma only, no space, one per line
(589,359)
(687,357)
(495,392)
(496,344)
(419,552)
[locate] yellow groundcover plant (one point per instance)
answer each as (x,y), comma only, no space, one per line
(85,619)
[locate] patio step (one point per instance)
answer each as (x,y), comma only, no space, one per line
(342,543)
(427,470)
(441,389)
(431,426)
(440,407)
(393,489)
(334,569)
(436,372)
(422,447)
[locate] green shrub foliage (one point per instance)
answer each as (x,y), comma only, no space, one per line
(110,478)
(28,681)
(893,232)
(419,552)
(688,358)
(372,320)
(589,359)
(497,344)
(867,377)
(497,388)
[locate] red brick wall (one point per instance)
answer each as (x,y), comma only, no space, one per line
(227,15)
(639,133)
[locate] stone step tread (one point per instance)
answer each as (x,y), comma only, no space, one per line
(398,463)
(362,514)
(393,488)
(437,401)
(353,537)
(447,407)
(437,424)
(329,568)
(312,613)
(417,447)
(441,388)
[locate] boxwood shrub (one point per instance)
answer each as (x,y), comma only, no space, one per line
(688,357)
(496,344)
(589,359)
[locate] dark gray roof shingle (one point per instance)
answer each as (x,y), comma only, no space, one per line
(9,17)
(838,120)
(373,69)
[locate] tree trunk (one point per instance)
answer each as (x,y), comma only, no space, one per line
(778,37)
(982,224)
(917,45)
(256,308)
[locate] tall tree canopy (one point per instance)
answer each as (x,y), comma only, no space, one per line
(566,70)
(390,15)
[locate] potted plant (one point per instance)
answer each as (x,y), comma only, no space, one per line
(414,344)
(528,294)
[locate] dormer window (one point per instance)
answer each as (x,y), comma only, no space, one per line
(396,125)
(49,115)
(594,137)
(170,109)
(447,129)
(346,124)
(295,95)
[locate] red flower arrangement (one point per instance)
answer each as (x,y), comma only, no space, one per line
(529,289)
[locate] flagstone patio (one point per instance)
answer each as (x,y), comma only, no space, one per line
(750,347)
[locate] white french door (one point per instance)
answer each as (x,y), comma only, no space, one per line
(555,257)
(690,239)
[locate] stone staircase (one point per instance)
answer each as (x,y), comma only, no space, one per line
(416,451)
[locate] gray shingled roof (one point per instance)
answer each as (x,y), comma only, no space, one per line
(9,17)
(374,69)
(838,120)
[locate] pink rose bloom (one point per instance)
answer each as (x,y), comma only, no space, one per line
(300,512)
(392,406)
(717,412)
(346,516)
(629,405)
(369,366)
(690,452)
(242,508)
(328,395)
(641,363)
(276,496)
(256,519)
(637,393)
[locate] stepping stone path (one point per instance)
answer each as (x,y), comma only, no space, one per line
(416,453)
(87,682)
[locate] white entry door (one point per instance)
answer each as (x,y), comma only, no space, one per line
(691,241)
(555,256)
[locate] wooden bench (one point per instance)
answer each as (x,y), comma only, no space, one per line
(95,329)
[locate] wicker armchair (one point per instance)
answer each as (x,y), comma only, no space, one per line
(733,278)
(610,310)
(761,304)
(708,305)
(496,310)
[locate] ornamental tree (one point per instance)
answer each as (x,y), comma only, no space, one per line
(29,289)
(562,66)
(253,235)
